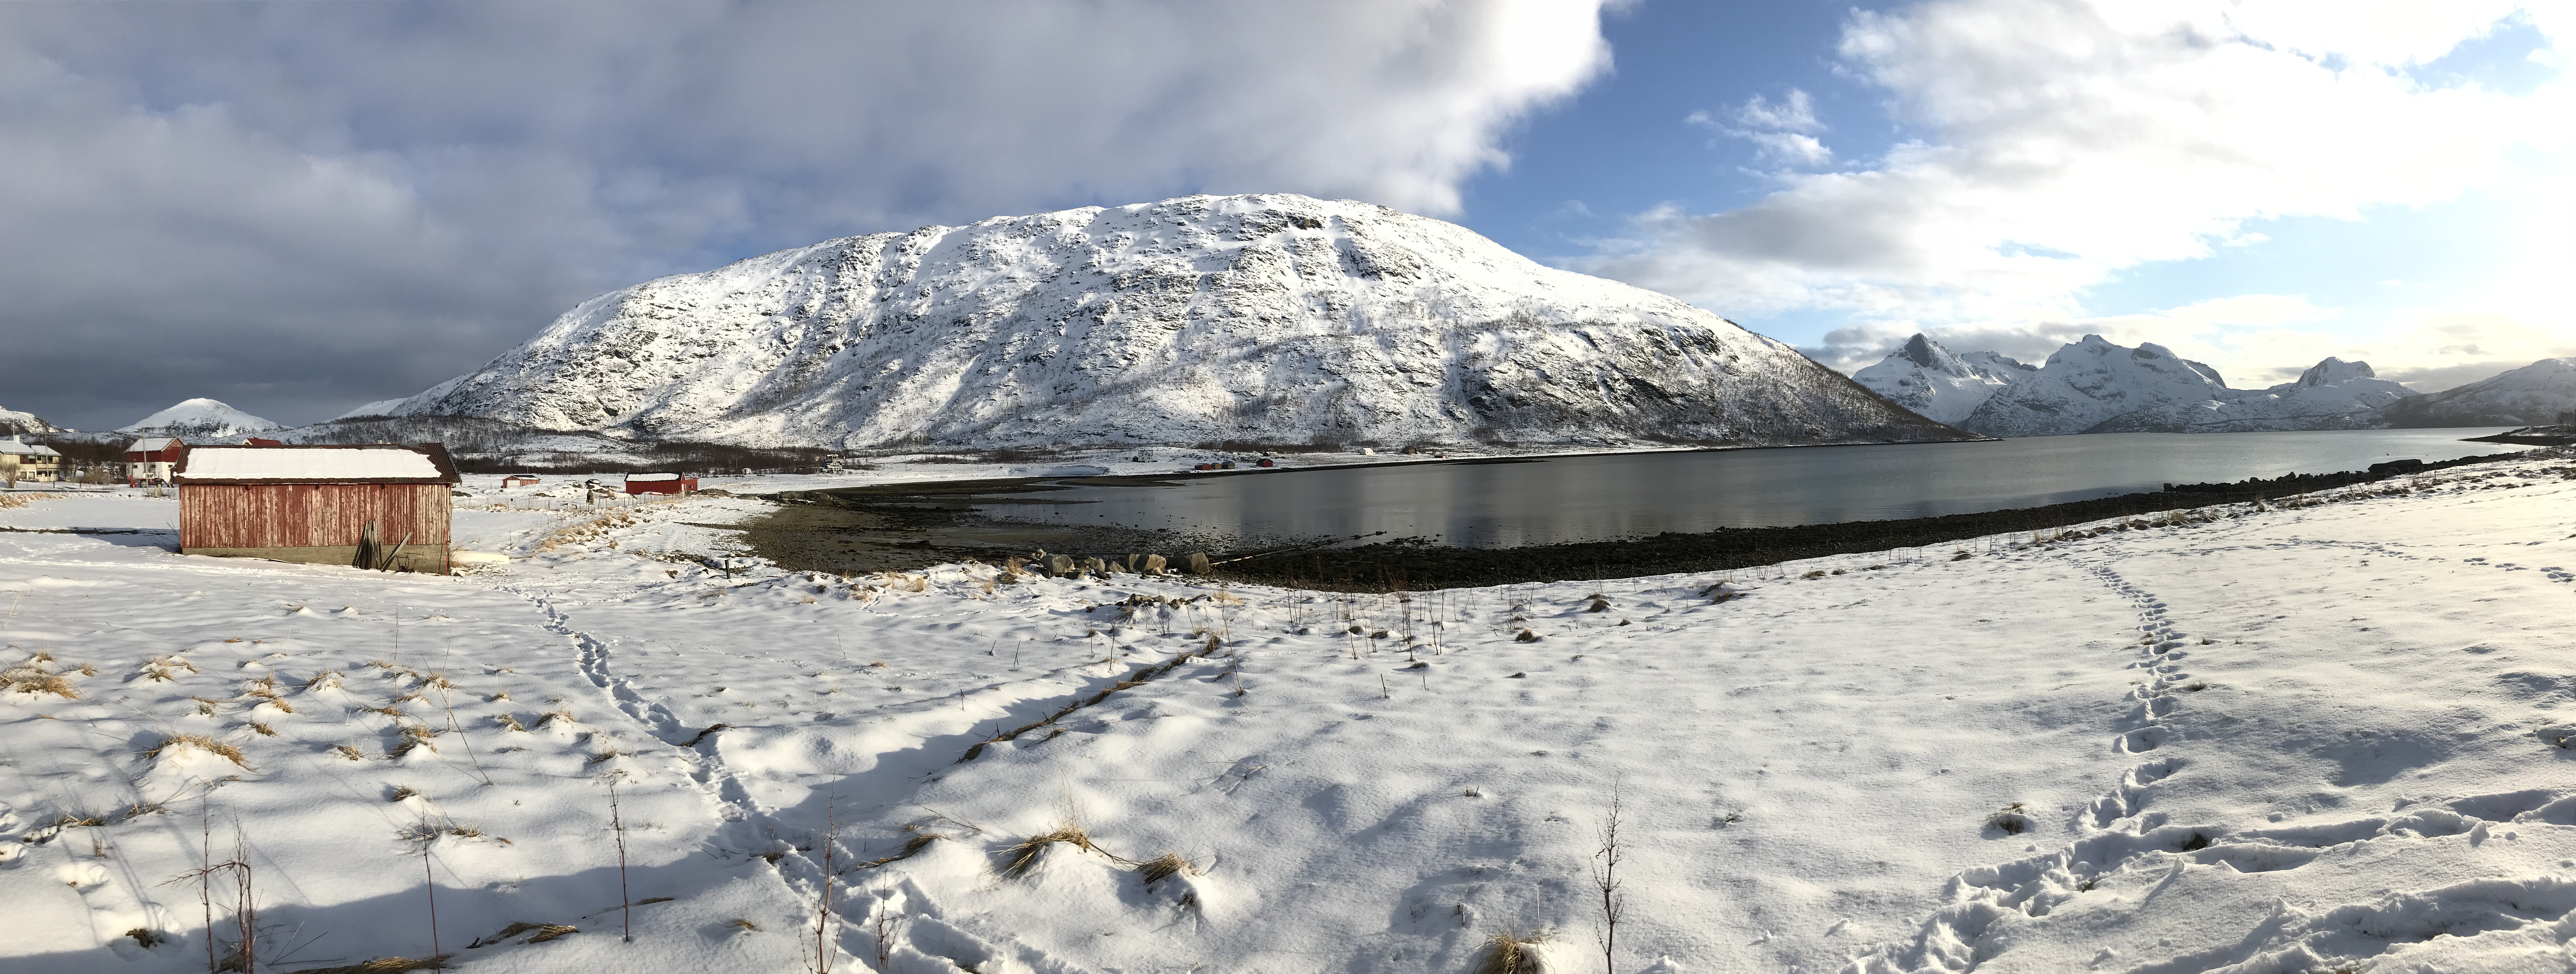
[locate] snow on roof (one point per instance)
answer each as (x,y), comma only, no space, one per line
(313,464)
(652,476)
(151,443)
(13,445)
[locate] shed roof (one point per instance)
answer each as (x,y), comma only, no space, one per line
(152,443)
(649,477)
(424,463)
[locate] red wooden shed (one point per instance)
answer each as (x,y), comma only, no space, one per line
(660,483)
(373,506)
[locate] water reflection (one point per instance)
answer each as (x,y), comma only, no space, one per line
(1602,497)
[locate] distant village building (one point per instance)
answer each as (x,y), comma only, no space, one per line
(382,507)
(149,461)
(519,480)
(23,462)
(660,483)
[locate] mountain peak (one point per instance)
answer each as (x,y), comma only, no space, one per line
(1930,379)
(1272,318)
(206,418)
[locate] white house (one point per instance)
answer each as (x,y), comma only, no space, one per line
(33,462)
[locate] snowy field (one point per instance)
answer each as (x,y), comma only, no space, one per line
(2337,733)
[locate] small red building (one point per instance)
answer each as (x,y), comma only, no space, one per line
(660,483)
(375,506)
(519,480)
(150,460)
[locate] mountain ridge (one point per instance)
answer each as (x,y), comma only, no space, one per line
(1271,318)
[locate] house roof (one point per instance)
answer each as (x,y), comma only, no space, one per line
(14,445)
(650,477)
(153,443)
(424,463)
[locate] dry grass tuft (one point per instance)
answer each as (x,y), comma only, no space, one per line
(1025,854)
(1509,952)
(9,501)
(607,755)
(325,680)
(910,847)
(552,716)
(1164,867)
(205,705)
(747,925)
(386,965)
(144,936)
(262,730)
(1526,636)
(41,682)
(498,696)
(200,742)
(390,710)
(510,722)
(399,793)
(346,751)
(544,932)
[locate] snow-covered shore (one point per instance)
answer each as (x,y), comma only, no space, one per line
(2323,734)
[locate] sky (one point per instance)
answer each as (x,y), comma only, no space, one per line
(298,208)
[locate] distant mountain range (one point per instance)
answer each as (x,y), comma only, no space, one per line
(2094,386)
(1276,319)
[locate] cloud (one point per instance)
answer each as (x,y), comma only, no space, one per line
(2059,143)
(297,207)
(1784,131)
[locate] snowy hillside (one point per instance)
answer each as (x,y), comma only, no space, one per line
(200,419)
(2534,394)
(15,422)
(1272,318)
(1940,384)
(2333,394)
(2094,386)
(379,407)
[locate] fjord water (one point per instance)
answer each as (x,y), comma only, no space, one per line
(1601,497)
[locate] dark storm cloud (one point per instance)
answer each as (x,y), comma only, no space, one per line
(300,207)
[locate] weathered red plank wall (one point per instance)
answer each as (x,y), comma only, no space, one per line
(310,515)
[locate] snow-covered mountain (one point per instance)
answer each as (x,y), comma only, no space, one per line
(2094,386)
(15,423)
(2330,395)
(1941,384)
(1273,318)
(379,407)
(2535,394)
(2086,383)
(198,420)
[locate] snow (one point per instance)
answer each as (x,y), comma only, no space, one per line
(215,463)
(25,422)
(1927,378)
(200,419)
(2536,394)
(652,477)
(151,444)
(1272,318)
(2322,733)
(380,407)
(2094,386)
(14,445)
